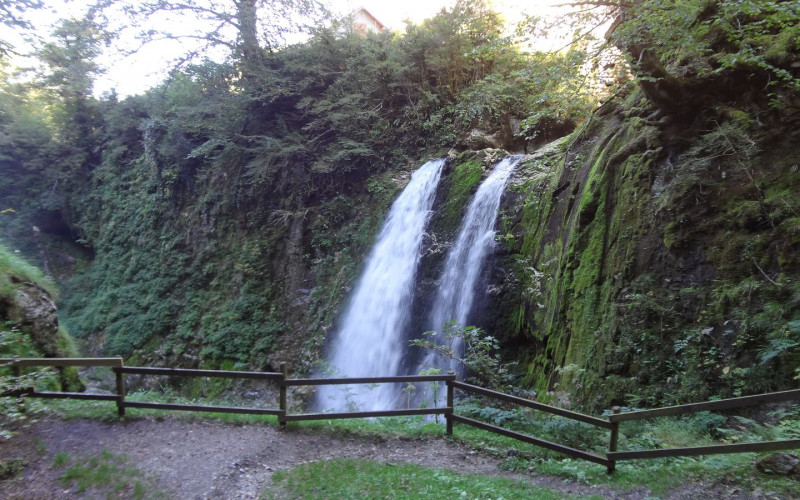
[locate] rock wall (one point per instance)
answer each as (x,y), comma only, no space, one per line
(656,258)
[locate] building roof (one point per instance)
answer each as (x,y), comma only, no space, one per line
(368,14)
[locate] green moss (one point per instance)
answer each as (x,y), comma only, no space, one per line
(456,190)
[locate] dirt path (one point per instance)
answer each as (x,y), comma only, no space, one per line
(213,460)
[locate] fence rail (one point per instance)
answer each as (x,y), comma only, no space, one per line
(182,372)
(61,362)
(599,422)
(611,422)
(213,409)
(566,450)
(723,404)
(719,449)
(369,414)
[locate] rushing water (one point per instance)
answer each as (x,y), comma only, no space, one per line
(370,341)
(475,242)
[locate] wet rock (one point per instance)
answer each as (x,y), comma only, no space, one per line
(478,139)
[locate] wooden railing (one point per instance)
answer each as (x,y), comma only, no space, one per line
(566,450)
(280,378)
(610,423)
(723,404)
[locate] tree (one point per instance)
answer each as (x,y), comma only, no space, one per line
(66,80)
(12,16)
(685,51)
(247,29)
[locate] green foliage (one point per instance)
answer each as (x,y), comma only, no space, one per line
(700,39)
(479,353)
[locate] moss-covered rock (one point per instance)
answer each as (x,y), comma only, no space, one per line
(656,264)
(29,319)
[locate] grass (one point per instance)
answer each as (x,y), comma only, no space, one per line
(107,472)
(349,478)
(14,266)
(660,476)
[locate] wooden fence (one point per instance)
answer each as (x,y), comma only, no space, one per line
(610,423)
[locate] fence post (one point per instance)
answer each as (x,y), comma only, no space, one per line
(612,444)
(282,402)
(450,390)
(120,389)
(16,370)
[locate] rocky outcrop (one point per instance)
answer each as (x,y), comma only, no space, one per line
(34,310)
(479,139)
(784,464)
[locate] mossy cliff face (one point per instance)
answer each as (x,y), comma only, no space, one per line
(202,268)
(657,258)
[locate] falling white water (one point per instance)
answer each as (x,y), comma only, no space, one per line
(370,342)
(475,242)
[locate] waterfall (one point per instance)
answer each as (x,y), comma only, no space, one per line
(459,279)
(371,339)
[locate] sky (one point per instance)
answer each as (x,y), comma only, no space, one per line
(148,67)
(393,12)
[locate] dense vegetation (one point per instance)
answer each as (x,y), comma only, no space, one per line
(221,217)
(160,190)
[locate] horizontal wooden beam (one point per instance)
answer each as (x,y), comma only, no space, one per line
(566,450)
(368,414)
(588,419)
(15,393)
(26,362)
(723,404)
(370,380)
(74,395)
(210,409)
(790,444)
(182,372)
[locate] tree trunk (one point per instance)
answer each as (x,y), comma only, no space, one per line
(249,52)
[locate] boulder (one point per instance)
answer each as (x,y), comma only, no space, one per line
(34,309)
(784,464)
(479,139)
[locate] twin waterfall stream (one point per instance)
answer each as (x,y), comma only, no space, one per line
(372,339)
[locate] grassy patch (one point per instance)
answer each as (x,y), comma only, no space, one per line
(107,472)
(346,478)
(11,468)
(14,268)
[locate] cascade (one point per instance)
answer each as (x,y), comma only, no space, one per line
(370,341)
(459,280)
